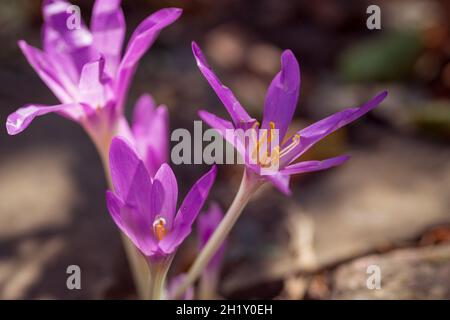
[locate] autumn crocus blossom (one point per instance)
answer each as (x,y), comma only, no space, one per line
(85,68)
(144,208)
(280,103)
(149,133)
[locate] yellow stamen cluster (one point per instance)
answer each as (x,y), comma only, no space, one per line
(159,229)
(270,159)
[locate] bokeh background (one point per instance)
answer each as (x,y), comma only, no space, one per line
(389,205)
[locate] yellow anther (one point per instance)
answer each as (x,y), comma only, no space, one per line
(265,157)
(261,152)
(159,229)
(291,146)
(259,143)
(272,130)
(272,125)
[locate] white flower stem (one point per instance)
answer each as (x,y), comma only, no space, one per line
(207,289)
(158,272)
(250,183)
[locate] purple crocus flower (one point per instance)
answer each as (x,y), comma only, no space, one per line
(149,133)
(280,103)
(85,68)
(144,208)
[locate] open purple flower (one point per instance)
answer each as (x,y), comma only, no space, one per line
(144,208)
(149,133)
(85,68)
(280,103)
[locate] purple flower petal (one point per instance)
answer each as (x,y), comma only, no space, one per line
(63,63)
(132,223)
(280,181)
(149,123)
(317,131)
(130,178)
(225,128)
(310,166)
(282,95)
(108,31)
(43,66)
(75,43)
(143,113)
(165,194)
(93,88)
(21,119)
(123,129)
(234,108)
(188,211)
(141,40)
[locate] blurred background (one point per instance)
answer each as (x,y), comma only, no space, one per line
(388,206)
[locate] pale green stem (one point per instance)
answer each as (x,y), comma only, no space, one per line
(157,279)
(250,183)
(207,289)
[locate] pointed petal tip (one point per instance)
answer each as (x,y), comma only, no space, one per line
(165,193)
(172,13)
(12,129)
(20,120)
(288,54)
(147,97)
(375,101)
(341,158)
(207,180)
(162,108)
(383,94)
(194,46)
(199,56)
(22,44)
(203,113)
(336,161)
(25,47)
(210,118)
(211,177)
(213,171)
(165,167)
(287,192)
(145,103)
(15,124)
(290,65)
(379,97)
(283,188)
(118,141)
(176,10)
